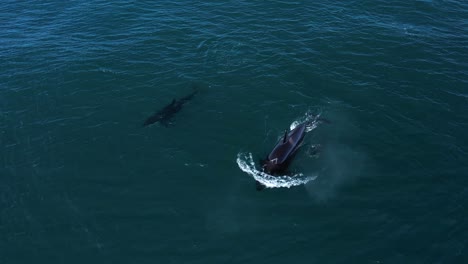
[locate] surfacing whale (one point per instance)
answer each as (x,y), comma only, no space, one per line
(164,115)
(279,158)
(277,162)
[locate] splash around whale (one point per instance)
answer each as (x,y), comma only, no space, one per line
(265,177)
(247,165)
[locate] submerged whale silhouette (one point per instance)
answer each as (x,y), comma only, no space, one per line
(164,115)
(277,162)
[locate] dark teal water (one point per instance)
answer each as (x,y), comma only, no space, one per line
(82,181)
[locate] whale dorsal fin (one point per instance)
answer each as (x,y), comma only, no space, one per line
(285,136)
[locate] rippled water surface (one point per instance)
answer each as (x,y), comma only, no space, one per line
(82,181)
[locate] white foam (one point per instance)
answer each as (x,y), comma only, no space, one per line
(313,119)
(247,165)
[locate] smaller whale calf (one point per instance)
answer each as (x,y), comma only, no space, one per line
(164,115)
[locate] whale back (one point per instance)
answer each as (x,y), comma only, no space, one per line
(279,157)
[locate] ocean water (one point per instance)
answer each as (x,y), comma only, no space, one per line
(82,181)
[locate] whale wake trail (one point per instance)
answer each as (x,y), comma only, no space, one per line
(246,162)
(247,165)
(313,121)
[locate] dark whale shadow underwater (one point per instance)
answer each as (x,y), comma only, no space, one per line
(165,114)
